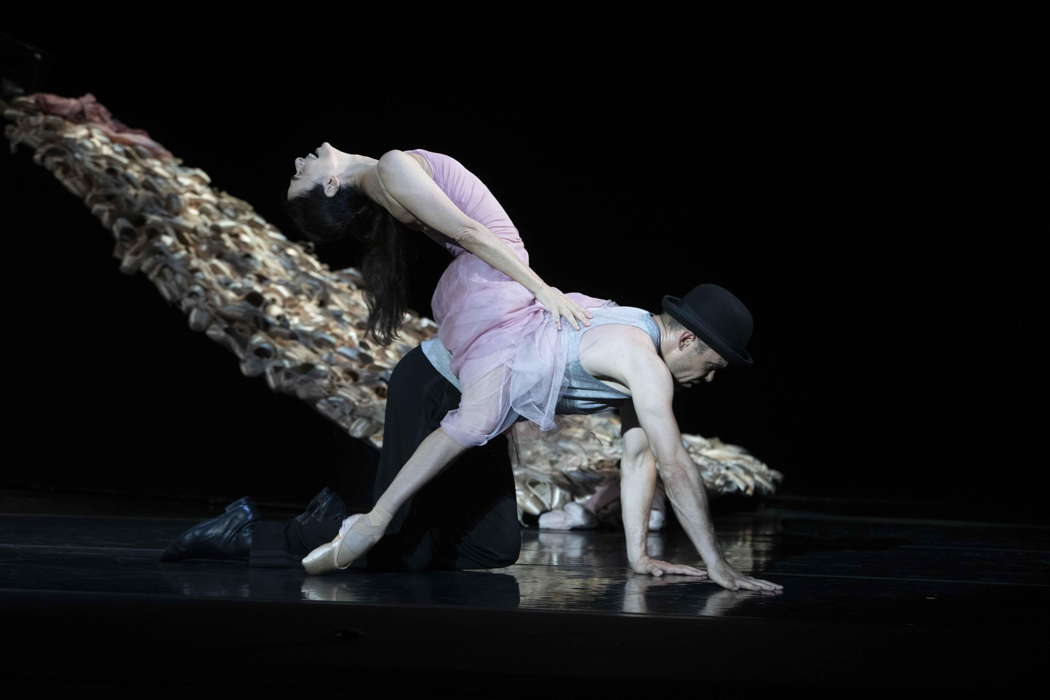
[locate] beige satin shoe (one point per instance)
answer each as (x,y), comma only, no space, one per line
(325,558)
(322,559)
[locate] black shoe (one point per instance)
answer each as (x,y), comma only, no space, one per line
(246,501)
(227,536)
(326,504)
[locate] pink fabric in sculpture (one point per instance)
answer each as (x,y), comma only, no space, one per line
(87,110)
(506,350)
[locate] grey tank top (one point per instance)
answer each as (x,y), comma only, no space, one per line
(581,392)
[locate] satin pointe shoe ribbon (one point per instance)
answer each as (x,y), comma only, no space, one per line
(356,536)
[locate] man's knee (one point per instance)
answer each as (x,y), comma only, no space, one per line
(500,549)
(507,552)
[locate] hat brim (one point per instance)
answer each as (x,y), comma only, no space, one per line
(673,306)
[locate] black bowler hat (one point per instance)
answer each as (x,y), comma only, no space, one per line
(718,318)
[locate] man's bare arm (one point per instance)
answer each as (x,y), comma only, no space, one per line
(637,483)
(652,388)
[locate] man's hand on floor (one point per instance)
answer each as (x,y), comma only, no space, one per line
(655,567)
(729,578)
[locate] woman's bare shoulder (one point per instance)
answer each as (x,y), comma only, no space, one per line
(422,161)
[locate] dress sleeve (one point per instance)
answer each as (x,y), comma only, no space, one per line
(472,196)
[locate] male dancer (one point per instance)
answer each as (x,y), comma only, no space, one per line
(466,517)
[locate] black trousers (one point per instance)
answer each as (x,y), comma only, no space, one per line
(464,518)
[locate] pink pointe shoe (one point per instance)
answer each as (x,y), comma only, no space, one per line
(356,536)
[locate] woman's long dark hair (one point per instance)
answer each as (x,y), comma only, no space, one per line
(349,212)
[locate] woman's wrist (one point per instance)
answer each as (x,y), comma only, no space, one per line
(490,248)
(542,289)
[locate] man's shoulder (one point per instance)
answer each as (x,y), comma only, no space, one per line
(618,351)
(635,356)
(628,338)
(623,336)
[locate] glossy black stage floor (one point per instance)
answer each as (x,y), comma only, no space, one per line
(868,603)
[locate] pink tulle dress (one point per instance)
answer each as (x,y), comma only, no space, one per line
(506,350)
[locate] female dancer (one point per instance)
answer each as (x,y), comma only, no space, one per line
(497,318)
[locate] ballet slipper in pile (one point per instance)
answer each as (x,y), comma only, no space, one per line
(572,516)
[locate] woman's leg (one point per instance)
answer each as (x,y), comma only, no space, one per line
(418,398)
(459,517)
(436,452)
(467,516)
(415,450)
(361,532)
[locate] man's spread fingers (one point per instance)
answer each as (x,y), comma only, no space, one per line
(766,585)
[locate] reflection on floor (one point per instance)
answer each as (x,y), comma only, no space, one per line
(867,603)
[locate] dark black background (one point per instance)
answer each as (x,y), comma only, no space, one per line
(858,202)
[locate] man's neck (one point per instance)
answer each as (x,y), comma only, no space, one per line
(663,333)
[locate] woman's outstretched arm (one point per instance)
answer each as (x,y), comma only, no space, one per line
(405,181)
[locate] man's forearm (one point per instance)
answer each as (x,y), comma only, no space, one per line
(637,483)
(688,497)
(488,246)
